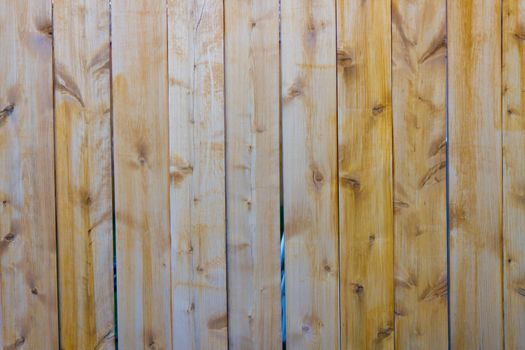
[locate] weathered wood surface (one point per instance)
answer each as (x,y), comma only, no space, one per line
(513,75)
(365,174)
(140,126)
(197,174)
(419,115)
(309,122)
(28,272)
(83,173)
(253,205)
(475,174)
(217,113)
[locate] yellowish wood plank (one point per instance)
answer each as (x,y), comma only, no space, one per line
(83,171)
(252,123)
(513,76)
(197,174)
(420,213)
(140,127)
(365,174)
(475,174)
(309,112)
(28,278)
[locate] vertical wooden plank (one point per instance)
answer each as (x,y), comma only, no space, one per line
(309,111)
(28,276)
(513,76)
(365,174)
(83,170)
(140,126)
(420,214)
(252,123)
(475,187)
(197,173)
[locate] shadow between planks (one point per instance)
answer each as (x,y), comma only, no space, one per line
(153,154)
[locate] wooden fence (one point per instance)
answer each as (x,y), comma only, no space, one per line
(170,142)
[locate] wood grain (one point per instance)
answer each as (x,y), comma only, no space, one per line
(420,213)
(140,126)
(197,173)
(252,123)
(309,113)
(475,174)
(365,174)
(513,76)
(83,173)
(28,277)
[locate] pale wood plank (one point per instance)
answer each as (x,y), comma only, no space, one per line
(420,214)
(365,174)
(309,110)
(140,126)
(252,103)
(475,180)
(197,174)
(28,278)
(83,170)
(513,76)
(252,123)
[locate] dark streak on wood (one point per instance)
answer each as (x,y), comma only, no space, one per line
(437,147)
(344,59)
(384,333)
(6,112)
(520,291)
(411,282)
(432,172)
(398,23)
(439,42)
(399,204)
(100,62)
(19,342)
(519,36)
(295,90)
(219,322)
(107,337)
(317,177)
(348,181)
(438,290)
(46,29)
(378,109)
(358,289)
(66,84)
(10,237)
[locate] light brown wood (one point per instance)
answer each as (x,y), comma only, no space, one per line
(140,127)
(83,173)
(197,174)
(475,174)
(252,124)
(420,212)
(309,112)
(28,275)
(513,76)
(365,174)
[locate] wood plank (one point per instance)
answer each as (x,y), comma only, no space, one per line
(197,173)
(252,122)
(83,173)
(365,174)
(140,126)
(309,118)
(420,213)
(475,179)
(28,277)
(513,76)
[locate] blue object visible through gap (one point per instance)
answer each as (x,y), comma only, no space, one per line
(283,299)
